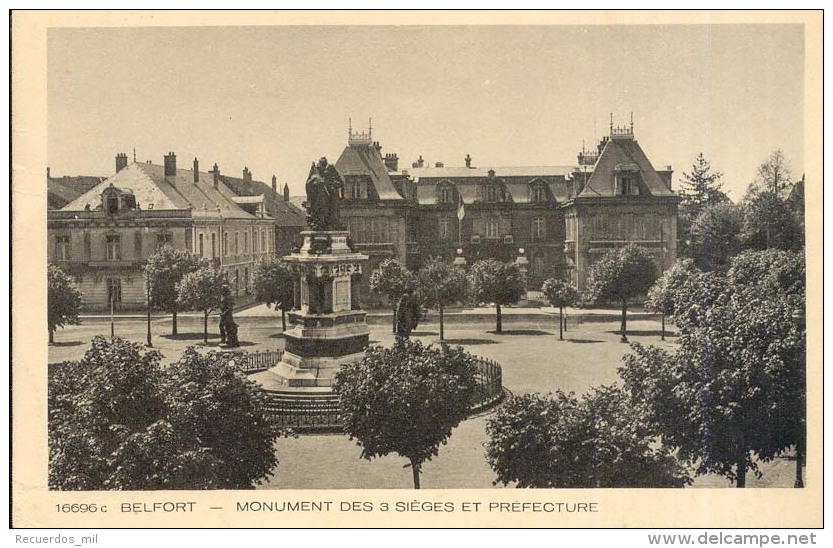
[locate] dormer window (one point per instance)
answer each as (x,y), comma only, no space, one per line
(354,190)
(539,194)
(492,193)
(115,199)
(626,186)
(445,194)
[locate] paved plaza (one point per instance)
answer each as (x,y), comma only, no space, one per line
(532,357)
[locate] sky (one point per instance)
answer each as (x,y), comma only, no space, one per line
(274,99)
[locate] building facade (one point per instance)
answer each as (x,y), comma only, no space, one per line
(556,220)
(105,236)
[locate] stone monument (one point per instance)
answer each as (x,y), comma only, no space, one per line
(328,326)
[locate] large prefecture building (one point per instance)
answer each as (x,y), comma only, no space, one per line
(557,220)
(104,236)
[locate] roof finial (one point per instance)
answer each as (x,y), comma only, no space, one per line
(611,123)
(631,122)
(370,127)
(349,127)
(134,155)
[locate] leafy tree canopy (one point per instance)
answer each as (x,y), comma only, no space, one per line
(496,282)
(441,282)
(559,293)
(204,289)
(621,274)
(560,440)
(392,279)
(164,270)
(662,295)
(406,399)
(273,283)
(63,299)
(118,420)
(715,236)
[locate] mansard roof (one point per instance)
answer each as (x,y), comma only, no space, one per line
(364,159)
(514,180)
(619,154)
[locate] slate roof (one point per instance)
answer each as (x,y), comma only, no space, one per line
(622,152)
(360,159)
(515,180)
(283,213)
(149,185)
(62,190)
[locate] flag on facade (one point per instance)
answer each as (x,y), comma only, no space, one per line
(461,209)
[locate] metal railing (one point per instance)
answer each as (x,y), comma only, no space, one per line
(252,362)
(321,412)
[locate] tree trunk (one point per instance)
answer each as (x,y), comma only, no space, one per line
(799,454)
(564,322)
(663,327)
(499,326)
(393,327)
(624,322)
(560,323)
(442,331)
(205,327)
(415,466)
(173,325)
(740,481)
(283,319)
(51,335)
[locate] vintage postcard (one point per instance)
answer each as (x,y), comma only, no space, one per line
(416,269)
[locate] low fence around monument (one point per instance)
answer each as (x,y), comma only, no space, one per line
(320,412)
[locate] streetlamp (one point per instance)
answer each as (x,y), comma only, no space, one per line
(149,343)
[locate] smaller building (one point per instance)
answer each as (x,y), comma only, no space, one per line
(105,236)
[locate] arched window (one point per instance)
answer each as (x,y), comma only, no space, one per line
(446,195)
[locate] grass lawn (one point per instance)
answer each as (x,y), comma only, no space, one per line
(532,357)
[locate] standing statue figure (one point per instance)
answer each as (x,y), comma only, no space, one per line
(325,189)
(228,327)
(407,315)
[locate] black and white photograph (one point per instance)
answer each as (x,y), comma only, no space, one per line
(513,258)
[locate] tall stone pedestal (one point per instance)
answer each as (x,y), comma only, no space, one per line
(328,327)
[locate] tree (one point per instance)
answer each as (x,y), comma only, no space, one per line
(441,284)
(406,399)
(770,218)
(392,280)
(729,396)
(662,296)
(560,294)
(205,289)
(773,176)
(63,299)
(700,190)
(118,420)
(562,441)
(273,282)
(715,236)
(164,270)
(495,282)
(771,222)
(621,275)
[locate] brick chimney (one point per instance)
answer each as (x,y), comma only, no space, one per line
(121,161)
(468,161)
(392,162)
(439,164)
(170,167)
(419,163)
(216,173)
(274,184)
(285,192)
(196,171)
(247,175)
